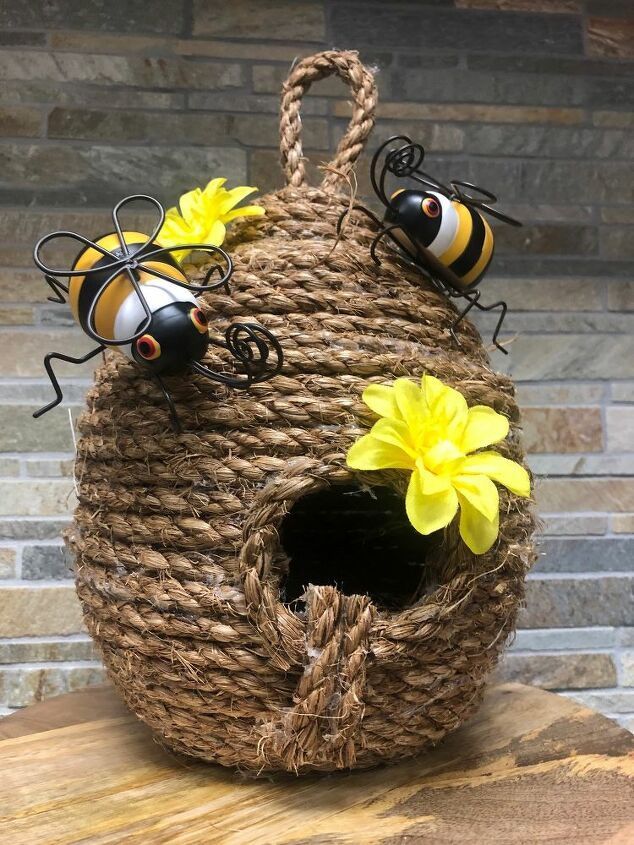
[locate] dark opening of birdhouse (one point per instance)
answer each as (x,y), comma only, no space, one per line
(359,541)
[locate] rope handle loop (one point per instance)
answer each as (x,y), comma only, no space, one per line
(346,65)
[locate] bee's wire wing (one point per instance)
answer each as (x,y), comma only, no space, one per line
(484,202)
(209,248)
(91,329)
(117,223)
(86,243)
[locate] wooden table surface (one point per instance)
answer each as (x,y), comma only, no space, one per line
(530,767)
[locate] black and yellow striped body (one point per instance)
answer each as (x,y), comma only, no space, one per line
(457,235)
(84,290)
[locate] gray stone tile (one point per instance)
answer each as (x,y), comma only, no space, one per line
(574,639)
(48,650)
(615,554)
(574,603)
(32,529)
(422,28)
(117,15)
(46,562)
(554,671)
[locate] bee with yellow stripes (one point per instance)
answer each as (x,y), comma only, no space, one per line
(440,229)
(130,294)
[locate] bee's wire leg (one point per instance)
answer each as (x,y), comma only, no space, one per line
(473,299)
(356,207)
(176,426)
(59,356)
(386,230)
(58,288)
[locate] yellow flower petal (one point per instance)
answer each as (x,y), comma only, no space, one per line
(395,433)
(212,187)
(480,492)
(234,196)
(444,456)
(506,472)
(430,483)
(484,427)
(380,399)
(190,204)
(243,211)
(447,406)
(411,404)
(369,453)
(478,532)
(429,513)
(215,234)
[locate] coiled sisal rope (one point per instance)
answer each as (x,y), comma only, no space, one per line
(177,536)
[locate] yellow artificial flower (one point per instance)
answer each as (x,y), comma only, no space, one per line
(430,431)
(204,215)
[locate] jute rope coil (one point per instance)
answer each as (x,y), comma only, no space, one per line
(177,537)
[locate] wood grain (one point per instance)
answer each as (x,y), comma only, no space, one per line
(531,767)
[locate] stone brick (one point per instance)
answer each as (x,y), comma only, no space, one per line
(614,701)
(621,296)
(49,468)
(22,354)
(622,391)
(614,119)
(37,498)
(622,523)
(421,28)
(562,429)
(116,43)
(30,651)
(556,524)
(7,563)
(46,562)
(554,323)
(551,6)
(105,173)
(19,432)
(548,141)
(266,173)
(617,242)
(572,356)
(550,465)
(626,636)
(32,529)
(38,394)
(79,94)
(188,128)
(20,122)
(559,671)
(572,393)
(585,494)
(617,214)
(586,554)
(577,602)
(578,181)
(610,37)
(22,687)
(608,93)
(52,315)
(627,663)
(221,101)
(9,466)
(268,79)
(104,70)
(22,39)
(276,19)
(574,639)
(249,50)
(433,136)
(13,315)
(620,428)
(166,16)
(39,611)
(477,112)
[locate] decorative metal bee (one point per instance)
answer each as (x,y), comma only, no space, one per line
(128,293)
(439,229)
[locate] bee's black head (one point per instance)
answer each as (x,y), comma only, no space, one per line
(176,336)
(420,213)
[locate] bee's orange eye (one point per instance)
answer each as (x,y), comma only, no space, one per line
(199,319)
(148,348)
(431,207)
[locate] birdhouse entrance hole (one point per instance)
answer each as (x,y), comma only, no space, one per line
(359,541)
